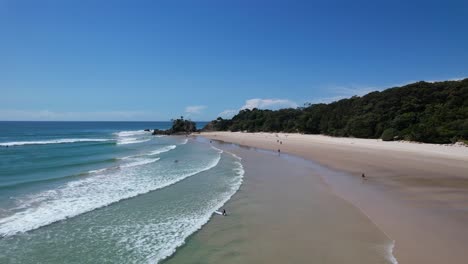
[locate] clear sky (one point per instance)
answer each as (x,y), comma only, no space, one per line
(155,60)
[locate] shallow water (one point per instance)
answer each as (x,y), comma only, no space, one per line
(124,197)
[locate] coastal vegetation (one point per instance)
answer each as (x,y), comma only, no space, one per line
(179,126)
(425,112)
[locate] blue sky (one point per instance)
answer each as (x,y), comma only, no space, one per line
(155,60)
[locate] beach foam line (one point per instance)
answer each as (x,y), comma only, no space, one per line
(191,225)
(53,141)
(87,194)
(217,149)
(389,251)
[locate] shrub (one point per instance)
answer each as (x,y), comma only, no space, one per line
(389,134)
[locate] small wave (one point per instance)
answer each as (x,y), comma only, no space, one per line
(132,137)
(127,165)
(151,153)
(139,163)
(125,141)
(131,133)
(162,150)
(66,176)
(53,141)
(184,142)
(97,171)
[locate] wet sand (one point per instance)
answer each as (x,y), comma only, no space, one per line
(285,213)
(416,193)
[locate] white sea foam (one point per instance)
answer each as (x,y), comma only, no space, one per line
(234,155)
(53,141)
(196,224)
(125,141)
(132,137)
(131,133)
(89,193)
(139,163)
(217,149)
(97,171)
(389,253)
(151,153)
(386,250)
(160,240)
(162,150)
(184,142)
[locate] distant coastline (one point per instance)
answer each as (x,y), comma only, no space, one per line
(421,112)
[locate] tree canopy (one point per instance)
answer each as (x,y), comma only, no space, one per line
(179,126)
(424,112)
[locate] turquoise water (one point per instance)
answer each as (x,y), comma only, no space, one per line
(105,192)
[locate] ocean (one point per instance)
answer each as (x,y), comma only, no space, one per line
(105,192)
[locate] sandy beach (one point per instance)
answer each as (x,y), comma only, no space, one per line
(285,213)
(415,194)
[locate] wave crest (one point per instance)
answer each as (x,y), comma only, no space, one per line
(53,141)
(131,133)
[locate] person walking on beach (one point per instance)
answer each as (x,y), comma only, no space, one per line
(224,212)
(363,176)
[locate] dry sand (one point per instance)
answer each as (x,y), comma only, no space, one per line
(416,193)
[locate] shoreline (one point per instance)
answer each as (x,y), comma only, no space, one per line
(416,195)
(285,212)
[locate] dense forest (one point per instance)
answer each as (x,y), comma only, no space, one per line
(424,112)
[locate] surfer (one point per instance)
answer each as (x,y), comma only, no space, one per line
(224,212)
